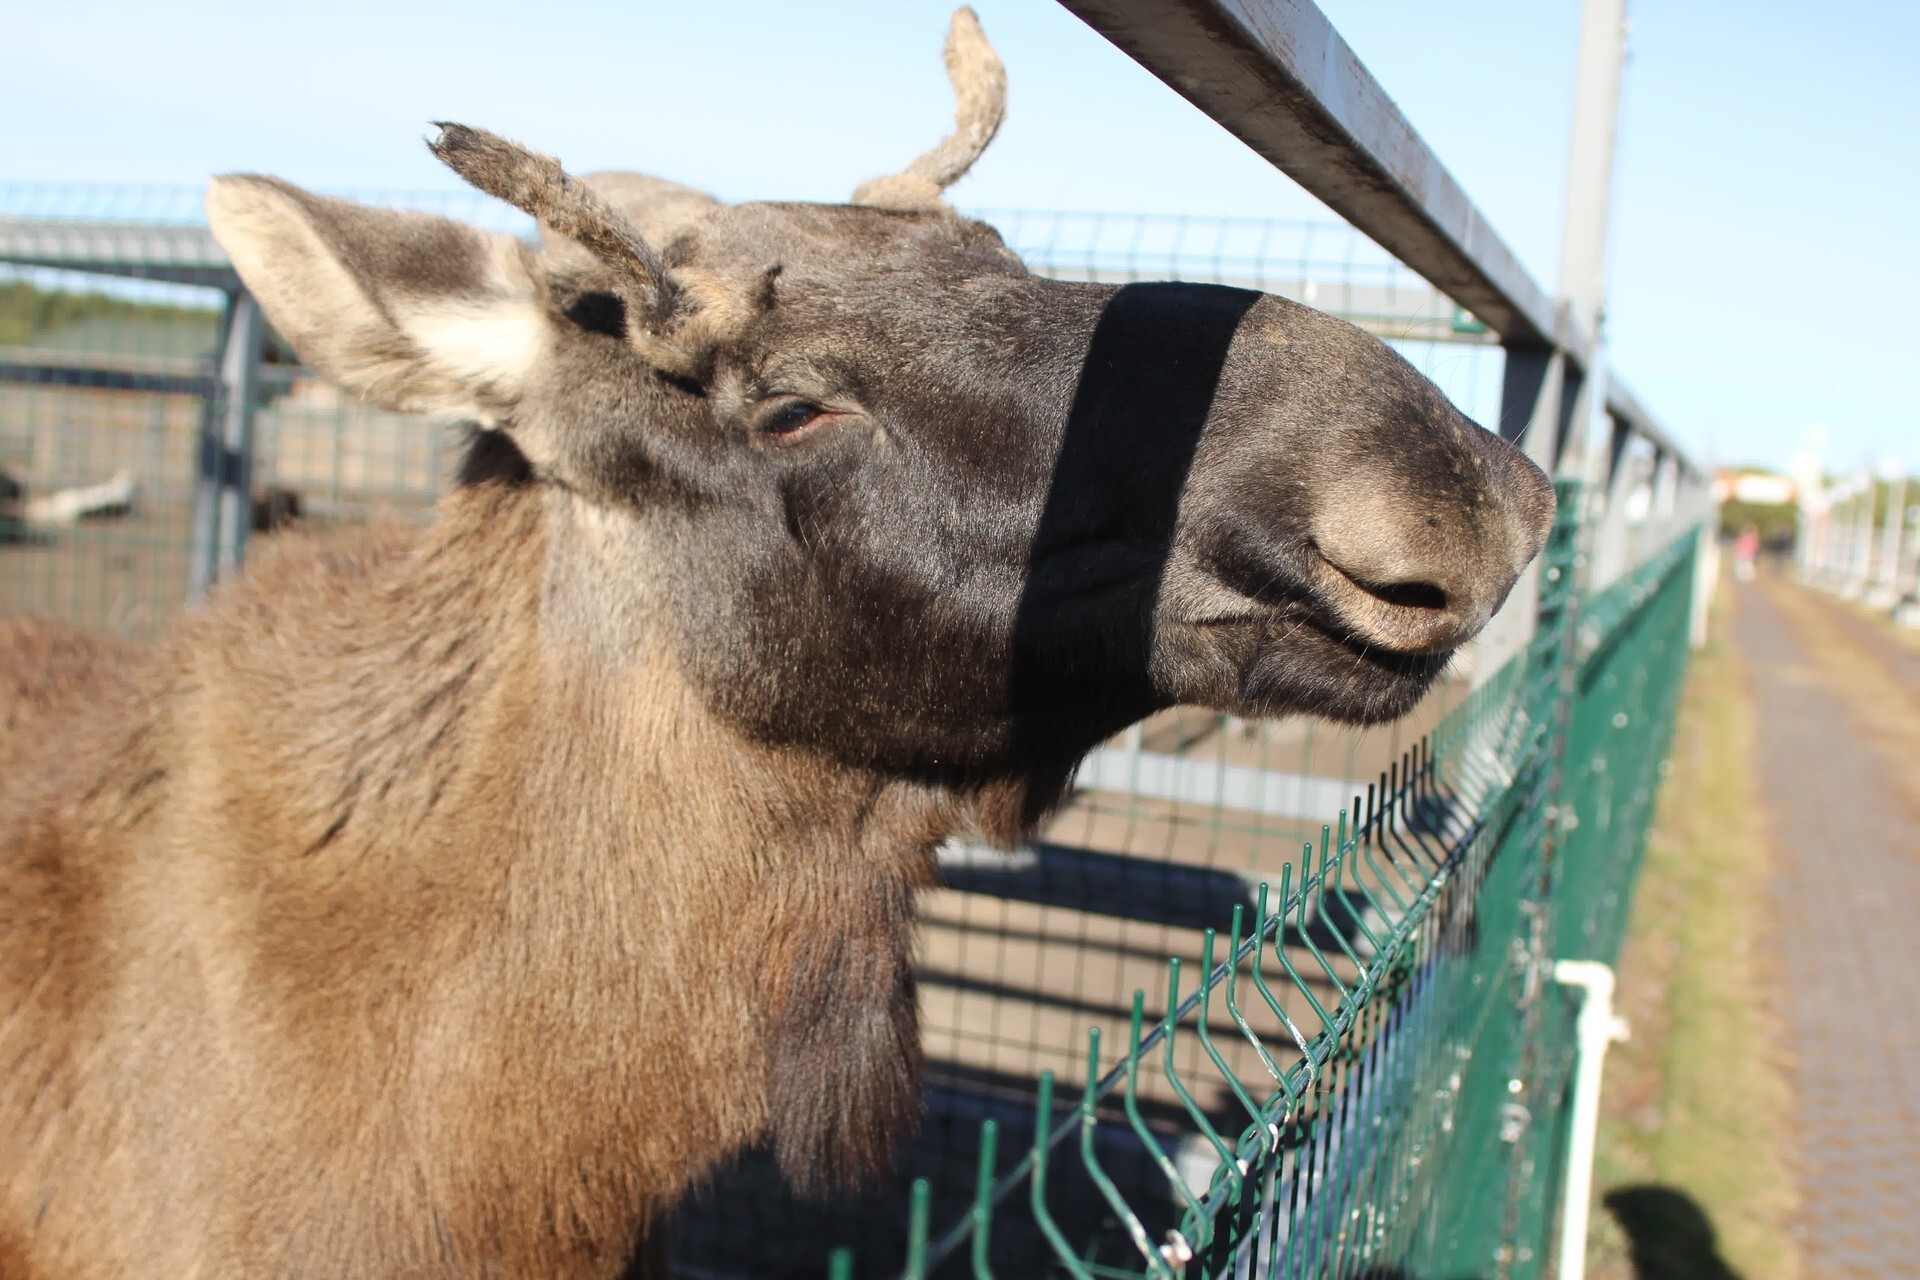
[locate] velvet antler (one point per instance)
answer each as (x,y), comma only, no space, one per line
(980,96)
(536,184)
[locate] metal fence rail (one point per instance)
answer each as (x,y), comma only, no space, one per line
(1422,1125)
(1859,537)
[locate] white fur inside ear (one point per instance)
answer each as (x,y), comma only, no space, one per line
(461,338)
(494,345)
(491,341)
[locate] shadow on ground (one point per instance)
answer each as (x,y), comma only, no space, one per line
(1671,1236)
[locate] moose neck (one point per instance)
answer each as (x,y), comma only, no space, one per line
(461,689)
(544,866)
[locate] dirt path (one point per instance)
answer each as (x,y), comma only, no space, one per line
(1837,750)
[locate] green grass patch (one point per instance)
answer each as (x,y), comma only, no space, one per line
(1692,1164)
(29,313)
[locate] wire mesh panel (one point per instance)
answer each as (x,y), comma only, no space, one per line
(1261,998)
(1354,1063)
(98,423)
(115,315)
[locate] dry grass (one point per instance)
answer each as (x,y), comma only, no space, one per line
(1909,637)
(1694,1143)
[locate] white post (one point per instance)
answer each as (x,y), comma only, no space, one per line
(1862,538)
(1803,520)
(1882,589)
(1891,535)
(1913,560)
(1596,1028)
(1541,390)
(1840,539)
(1706,577)
(1833,544)
(1596,111)
(1823,537)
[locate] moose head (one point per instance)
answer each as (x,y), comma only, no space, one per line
(882,492)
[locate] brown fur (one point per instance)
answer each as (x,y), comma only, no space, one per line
(410,888)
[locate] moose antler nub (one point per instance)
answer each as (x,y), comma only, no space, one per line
(536,184)
(980,94)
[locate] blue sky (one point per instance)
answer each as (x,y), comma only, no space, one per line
(1765,253)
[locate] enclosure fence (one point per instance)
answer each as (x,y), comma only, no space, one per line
(1355,1064)
(1370,1057)
(1859,537)
(1263,998)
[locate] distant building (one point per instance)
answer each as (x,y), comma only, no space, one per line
(1753,488)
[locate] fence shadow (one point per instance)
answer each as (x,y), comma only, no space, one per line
(747,1222)
(1671,1235)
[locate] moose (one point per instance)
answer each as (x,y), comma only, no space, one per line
(449,902)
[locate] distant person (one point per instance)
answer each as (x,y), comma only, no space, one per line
(1746,548)
(1780,549)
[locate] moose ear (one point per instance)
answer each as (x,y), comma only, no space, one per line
(412,312)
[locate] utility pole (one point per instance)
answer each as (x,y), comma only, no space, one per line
(1583,292)
(1611,475)
(1548,394)
(1596,114)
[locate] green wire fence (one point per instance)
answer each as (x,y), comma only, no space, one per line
(1410,1126)
(1263,999)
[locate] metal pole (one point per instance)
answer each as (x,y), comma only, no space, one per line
(239,382)
(203,561)
(1891,533)
(1613,479)
(1584,235)
(1594,1030)
(222,499)
(1706,575)
(1862,538)
(1583,282)
(1840,539)
(1532,395)
(1596,109)
(1827,564)
(1911,572)
(1546,399)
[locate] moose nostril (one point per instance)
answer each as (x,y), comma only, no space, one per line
(1407,595)
(1398,586)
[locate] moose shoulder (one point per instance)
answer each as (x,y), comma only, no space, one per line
(449,903)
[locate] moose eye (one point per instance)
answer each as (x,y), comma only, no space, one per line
(599,313)
(790,419)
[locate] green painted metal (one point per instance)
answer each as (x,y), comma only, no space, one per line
(1412,1126)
